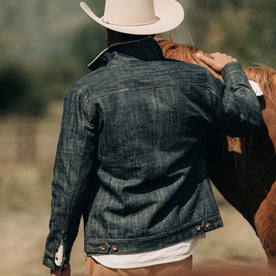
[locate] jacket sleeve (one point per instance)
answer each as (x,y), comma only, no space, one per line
(234,105)
(71,185)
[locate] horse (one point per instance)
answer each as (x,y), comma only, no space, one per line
(243,169)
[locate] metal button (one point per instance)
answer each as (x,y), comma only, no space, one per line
(103,247)
(207,224)
(198,228)
(114,247)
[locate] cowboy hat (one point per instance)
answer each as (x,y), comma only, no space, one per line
(140,17)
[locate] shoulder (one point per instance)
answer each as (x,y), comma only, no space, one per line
(190,72)
(89,86)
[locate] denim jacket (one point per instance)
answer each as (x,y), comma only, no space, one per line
(131,156)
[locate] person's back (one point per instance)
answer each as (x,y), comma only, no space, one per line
(131,156)
(150,141)
(151,116)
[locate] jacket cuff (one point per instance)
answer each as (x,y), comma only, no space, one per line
(49,263)
(230,68)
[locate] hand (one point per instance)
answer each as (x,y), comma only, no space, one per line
(66,272)
(217,60)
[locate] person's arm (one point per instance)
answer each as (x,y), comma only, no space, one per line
(71,185)
(235,107)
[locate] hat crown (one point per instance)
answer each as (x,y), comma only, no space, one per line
(129,12)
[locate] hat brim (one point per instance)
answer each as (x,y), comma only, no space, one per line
(170,14)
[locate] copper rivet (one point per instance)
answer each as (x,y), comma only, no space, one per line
(103,247)
(197,227)
(115,247)
(207,224)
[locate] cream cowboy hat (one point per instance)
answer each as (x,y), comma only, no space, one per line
(140,17)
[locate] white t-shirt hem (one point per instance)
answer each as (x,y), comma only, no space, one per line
(174,253)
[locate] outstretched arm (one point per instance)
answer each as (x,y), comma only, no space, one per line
(236,108)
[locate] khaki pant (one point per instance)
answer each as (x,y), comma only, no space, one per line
(181,268)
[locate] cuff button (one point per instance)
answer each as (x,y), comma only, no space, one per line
(198,228)
(207,224)
(103,247)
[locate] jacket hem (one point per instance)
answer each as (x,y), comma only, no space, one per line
(154,242)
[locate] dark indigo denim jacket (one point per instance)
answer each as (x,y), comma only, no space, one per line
(131,157)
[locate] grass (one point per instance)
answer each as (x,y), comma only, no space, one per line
(25,209)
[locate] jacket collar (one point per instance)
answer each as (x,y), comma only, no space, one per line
(145,49)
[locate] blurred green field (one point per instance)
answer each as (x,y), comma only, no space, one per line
(25,207)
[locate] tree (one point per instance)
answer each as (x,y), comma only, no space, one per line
(242,28)
(18,92)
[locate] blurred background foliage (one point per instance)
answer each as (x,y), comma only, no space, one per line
(243,28)
(46,45)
